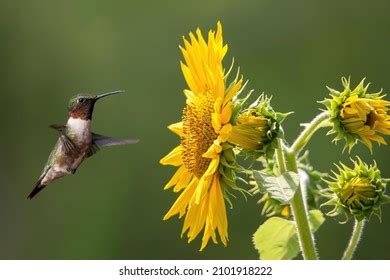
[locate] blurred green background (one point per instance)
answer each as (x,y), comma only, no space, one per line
(113,207)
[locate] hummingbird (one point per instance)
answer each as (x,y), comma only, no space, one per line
(76,142)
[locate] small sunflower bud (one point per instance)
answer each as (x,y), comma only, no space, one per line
(257,127)
(357,192)
(357,115)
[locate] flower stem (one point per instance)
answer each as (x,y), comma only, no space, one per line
(280,157)
(287,160)
(354,241)
(307,133)
(305,236)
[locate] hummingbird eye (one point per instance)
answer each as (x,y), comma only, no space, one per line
(81,100)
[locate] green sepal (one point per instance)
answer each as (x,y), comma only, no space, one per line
(385,199)
(228,170)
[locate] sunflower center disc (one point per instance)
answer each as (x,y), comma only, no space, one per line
(198,133)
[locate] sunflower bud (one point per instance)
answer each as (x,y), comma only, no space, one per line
(250,132)
(357,115)
(357,192)
(257,127)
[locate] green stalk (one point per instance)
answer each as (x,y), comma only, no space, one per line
(354,241)
(318,122)
(305,236)
(287,160)
(280,157)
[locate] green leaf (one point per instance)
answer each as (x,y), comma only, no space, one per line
(316,219)
(281,188)
(276,238)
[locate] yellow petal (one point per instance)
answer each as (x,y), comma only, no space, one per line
(232,91)
(202,188)
(176,177)
(217,219)
(213,167)
(225,132)
(226,113)
(216,122)
(174,157)
(188,77)
(208,232)
(195,220)
(181,203)
(218,105)
(183,181)
(177,128)
(190,96)
(213,151)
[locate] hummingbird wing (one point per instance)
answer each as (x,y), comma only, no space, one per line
(102,141)
(66,143)
(99,141)
(59,127)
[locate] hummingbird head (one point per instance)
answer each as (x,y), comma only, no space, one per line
(81,106)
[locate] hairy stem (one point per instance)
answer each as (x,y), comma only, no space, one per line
(354,241)
(305,236)
(318,122)
(280,157)
(287,161)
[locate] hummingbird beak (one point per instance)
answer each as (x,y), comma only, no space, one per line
(107,94)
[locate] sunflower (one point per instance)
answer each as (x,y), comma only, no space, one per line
(358,115)
(203,155)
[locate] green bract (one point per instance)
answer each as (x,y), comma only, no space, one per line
(357,192)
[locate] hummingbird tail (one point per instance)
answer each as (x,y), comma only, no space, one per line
(37,188)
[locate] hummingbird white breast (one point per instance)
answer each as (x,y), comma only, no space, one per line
(80,130)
